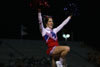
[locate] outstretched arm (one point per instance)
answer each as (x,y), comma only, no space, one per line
(56,30)
(40,21)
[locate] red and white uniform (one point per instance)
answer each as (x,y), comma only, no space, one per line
(50,35)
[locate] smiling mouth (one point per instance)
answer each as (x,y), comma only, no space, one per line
(51,25)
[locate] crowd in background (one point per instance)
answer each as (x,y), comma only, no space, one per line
(28,62)
(94,57)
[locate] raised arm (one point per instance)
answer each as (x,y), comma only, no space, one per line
(56,30)
(40,21)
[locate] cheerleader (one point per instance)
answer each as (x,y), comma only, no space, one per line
(49,34)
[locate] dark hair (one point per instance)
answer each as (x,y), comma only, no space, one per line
(46,18)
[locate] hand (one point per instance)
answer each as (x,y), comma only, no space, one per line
(39,10)
(71,15)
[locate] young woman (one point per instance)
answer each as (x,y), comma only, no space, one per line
(50,36)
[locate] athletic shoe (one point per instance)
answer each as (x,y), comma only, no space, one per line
(59,64)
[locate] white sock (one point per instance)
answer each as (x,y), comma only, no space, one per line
(59,64)
(61,60)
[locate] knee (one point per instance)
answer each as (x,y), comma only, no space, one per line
(67,48)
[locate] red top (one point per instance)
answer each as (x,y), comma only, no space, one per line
(51,43)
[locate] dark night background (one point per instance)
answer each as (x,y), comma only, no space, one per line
(85,27)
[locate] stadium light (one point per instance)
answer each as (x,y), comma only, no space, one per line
(65,36)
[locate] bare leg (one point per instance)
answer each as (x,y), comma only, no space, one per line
(62,51)
(53,62)
(63,55)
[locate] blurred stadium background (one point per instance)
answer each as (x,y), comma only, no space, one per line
(21,42)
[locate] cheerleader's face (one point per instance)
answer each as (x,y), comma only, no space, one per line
(50,23)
